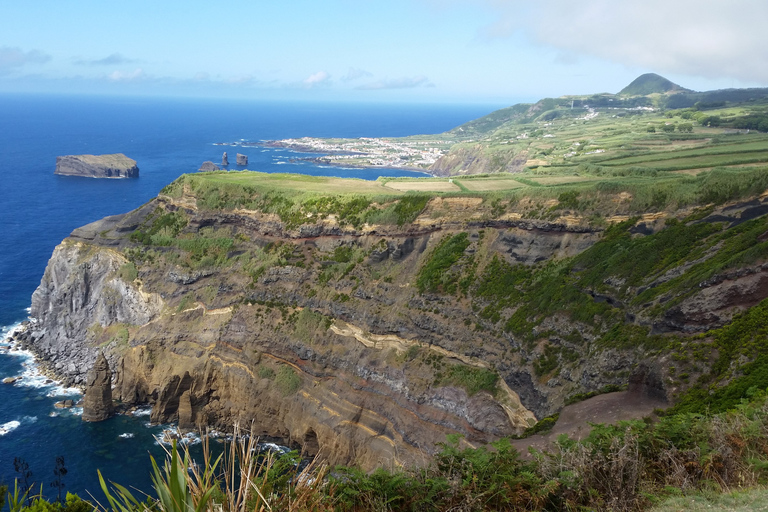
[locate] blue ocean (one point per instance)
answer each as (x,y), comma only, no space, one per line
(167,137)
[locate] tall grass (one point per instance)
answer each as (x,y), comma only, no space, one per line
(241,479)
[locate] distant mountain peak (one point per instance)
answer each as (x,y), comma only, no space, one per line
(651,83)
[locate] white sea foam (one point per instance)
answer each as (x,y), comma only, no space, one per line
(9,427)
(272,447)
(76,411)
(171,434)
(127,435)
(58,390)
(143,412)
(280,162)
(31,376)
(53,414)
(7,331)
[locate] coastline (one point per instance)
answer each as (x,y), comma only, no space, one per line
(35,366)
(38,374)
(328,155)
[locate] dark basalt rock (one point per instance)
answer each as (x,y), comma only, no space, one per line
(647,380)
(242,159)
(209,166)
(97,166)
(224,160)
(97,404)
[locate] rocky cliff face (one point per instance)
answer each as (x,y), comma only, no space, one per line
(326,336)
(82,297)
(97,166)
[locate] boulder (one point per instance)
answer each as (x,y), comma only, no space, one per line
(10,380)
(224,160)
(209,166)
(97,166)
(97,404)
(242,159)
(64,404)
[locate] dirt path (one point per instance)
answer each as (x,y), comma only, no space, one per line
(608,408)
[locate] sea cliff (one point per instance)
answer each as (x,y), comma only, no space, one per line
(366,325)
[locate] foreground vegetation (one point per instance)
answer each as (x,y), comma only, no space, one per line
(630,466)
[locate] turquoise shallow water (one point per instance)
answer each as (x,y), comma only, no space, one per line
(167,138)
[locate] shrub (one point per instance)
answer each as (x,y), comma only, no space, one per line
(287,381)
(433,275)
(128,272)
(471,378)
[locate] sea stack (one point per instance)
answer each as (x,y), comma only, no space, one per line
(209,166)
(97,404)
(224,160)
(242,159)
(97,166)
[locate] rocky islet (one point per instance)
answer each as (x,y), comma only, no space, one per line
(97,166)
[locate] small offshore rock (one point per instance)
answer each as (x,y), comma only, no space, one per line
(64,404)
(242,159)
(10,380)
(224,160)
(97,405)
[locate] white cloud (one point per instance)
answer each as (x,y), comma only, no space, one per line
(398,83)
(15,57)
(110,60)
(354,74)
(708,38)
(133,76)
(317,79)
(240,79)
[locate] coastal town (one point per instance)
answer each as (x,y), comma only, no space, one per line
(369,152)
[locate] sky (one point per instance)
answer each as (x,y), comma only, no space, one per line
(462,51)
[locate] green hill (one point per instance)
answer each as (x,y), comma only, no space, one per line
(651,83)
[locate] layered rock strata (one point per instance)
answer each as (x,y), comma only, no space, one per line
(318,336)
